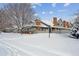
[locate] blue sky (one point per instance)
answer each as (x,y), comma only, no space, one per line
(46,11)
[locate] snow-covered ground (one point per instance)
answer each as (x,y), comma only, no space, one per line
(38,44)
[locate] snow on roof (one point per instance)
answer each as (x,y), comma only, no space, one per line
(46,21)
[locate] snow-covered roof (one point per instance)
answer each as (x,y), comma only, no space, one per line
(47,22)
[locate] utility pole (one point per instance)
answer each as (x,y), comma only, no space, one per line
(49,28)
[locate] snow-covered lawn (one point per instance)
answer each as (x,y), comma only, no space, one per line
(38,44)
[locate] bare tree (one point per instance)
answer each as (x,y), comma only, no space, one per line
(20,14)
(76,20)
(4,21)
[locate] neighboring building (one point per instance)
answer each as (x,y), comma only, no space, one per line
(55,23)
(60,23)
(40,26)
(70,25)
(64,24)
(67,24)
(56,26)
